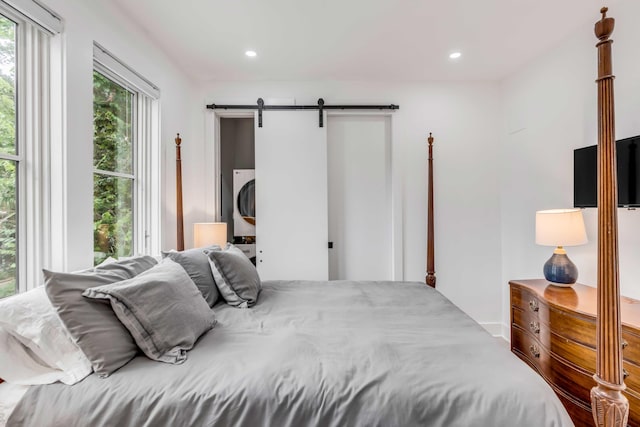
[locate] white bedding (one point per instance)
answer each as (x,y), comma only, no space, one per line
(10,395)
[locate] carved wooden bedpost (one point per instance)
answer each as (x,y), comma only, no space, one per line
(610,407)
(179,215)
(431,272)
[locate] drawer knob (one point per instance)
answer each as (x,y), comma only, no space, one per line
(535,327)
(624,344)
(535,352)
(533,305)
(625,374)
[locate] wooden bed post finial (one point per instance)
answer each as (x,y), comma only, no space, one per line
(179,214)
(604,27)
(610,407)
(430,279)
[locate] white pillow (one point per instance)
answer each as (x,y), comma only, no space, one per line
(30,320)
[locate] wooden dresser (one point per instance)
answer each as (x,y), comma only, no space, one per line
(553,329)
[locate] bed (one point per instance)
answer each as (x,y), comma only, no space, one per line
(10,395)
(318,353)
(353,353)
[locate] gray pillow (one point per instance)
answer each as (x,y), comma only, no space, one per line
(162,309)
(94,327)
(196,264)
(235,275)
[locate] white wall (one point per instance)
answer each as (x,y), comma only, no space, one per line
(550,110)
(86,21)
(464,119)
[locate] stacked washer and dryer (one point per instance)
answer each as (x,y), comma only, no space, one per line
(244,211)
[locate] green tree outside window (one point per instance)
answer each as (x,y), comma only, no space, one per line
(8,166)
(113,161)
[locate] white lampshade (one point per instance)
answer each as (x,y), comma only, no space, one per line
(209,233)
(560,227)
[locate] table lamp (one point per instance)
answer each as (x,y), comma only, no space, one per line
(560,227)
(209,233)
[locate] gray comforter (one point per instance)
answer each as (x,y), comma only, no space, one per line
(318,354)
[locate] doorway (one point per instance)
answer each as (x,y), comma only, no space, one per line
(237,182)
(360,197)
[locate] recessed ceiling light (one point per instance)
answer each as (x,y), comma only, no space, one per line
(251,53)
(455,55)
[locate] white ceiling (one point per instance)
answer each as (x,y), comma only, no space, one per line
(357,39)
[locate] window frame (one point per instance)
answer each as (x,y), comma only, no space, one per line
(19,158)
(133,176)
(37,47)
(146,164)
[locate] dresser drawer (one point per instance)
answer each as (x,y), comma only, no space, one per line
(585,358)
(577,354)
(574,381)
(527,347)
(526,301)
(528,321)
(573,327)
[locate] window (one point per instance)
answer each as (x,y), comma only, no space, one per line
(10,160)
(126,160)
(114,173)
(27,34)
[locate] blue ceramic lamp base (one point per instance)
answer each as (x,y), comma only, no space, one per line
(559,270)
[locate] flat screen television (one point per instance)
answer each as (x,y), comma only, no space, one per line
(585,174)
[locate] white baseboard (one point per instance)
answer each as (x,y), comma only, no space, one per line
(497,329)
(506,332)
(494,328)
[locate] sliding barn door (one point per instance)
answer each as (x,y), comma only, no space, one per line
(291,196)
